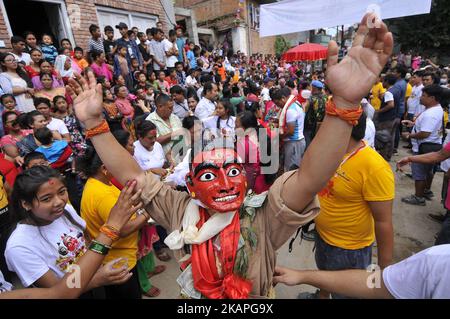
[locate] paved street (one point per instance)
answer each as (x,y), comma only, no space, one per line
(414,231)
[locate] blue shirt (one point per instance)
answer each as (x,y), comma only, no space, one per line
(180,44)
(132,50)
(399,92)
(192,60)
(53,152)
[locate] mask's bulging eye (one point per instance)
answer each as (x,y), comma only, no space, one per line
(207,177)
(234,172)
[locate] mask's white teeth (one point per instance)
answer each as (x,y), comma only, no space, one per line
(226,198)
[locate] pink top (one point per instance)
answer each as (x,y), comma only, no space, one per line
(447,199)
(125,107)
(102,70)
(11,140)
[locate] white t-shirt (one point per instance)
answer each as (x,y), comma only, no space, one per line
(295,114)
(58,125)
(210,125)
(148,160)
(370,133)
(429,121)
(426,275)
(180,171)
(170,62)
(4,285)
(265,94)
(368,108)
(388,97)
(414,99)
(191,81)
(26,58)
(204,108)
(32,251)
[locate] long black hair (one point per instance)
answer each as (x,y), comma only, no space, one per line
(20,71)
(248,120)
(228,108)
(90,163)
(26,187)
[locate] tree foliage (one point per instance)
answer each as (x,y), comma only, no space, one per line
(427,34)
(281,45)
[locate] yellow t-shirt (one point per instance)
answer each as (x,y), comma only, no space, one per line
(345,218)
(377,91)
(408,91)
(96,203)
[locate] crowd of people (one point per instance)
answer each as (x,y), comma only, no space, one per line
(162,97)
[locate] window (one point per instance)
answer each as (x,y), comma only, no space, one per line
(112,17)
(254,16)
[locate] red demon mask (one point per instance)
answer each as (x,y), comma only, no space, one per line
(217,179)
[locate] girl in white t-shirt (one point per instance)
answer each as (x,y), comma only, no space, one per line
(49,236)
(148,153)
(223,123)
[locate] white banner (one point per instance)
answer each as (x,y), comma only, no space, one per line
(291,16)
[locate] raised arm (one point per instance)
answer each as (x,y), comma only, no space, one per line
(349,81)
(88,99)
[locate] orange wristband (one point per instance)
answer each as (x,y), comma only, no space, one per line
(110,232)
(351,116)
(103,127)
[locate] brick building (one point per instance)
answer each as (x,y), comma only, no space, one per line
(71,18)
(235,22)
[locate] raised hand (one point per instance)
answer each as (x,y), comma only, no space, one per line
(87,98)
(352,78)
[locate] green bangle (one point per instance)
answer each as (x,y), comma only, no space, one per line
(99,248)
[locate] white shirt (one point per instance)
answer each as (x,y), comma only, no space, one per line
(368,108)
(295,114)
(26,58)
(173,58)
(205,108)
(180,171)
(388,97)
(32,251)
(414,99)
(148,160)
(370,133)
(429,121)
(210,125)
(425,275)
(4,285)
(58,125)
(191,81)
(181,109)
(265,94)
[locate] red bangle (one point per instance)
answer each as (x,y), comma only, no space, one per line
(349,115)
(102,128)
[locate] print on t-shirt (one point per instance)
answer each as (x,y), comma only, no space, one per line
(70,249)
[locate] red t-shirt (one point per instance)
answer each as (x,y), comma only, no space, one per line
(8,169)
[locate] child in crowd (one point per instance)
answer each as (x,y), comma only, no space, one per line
(9,103)
(111,112)
(163,85)
(34,159)
(135,70)
(181,75)
(172,79)
(99,66)
(58,153)
(47,48)
(106,84)
(121,66)
(79,59)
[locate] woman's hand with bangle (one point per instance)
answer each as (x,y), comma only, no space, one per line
(127,204)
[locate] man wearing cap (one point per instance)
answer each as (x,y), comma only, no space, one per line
(315,111)
(132,47)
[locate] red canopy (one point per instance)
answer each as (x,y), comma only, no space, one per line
(306,52)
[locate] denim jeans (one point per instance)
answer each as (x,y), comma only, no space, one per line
(334,258)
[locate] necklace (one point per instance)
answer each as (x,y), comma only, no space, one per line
(328,190)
